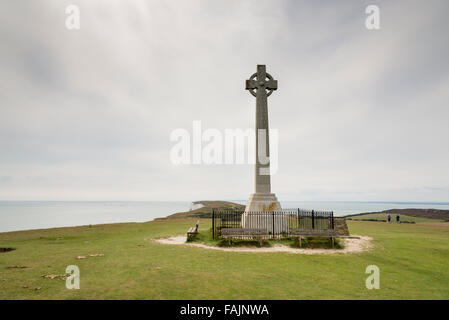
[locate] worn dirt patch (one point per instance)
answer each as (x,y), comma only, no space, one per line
(16,267)
(353,244)
(90,255)
(54,276)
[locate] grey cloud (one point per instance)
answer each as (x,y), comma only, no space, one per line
(87,114)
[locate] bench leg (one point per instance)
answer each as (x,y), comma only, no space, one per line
(332,240)
(300,241)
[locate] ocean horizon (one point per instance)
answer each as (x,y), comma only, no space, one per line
(27,215)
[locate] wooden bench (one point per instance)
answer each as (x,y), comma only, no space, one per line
(229,233)
(300,233)
(193,231)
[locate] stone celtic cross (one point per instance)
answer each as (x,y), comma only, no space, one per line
(261,85)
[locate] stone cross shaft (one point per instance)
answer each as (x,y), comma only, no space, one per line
(261,85)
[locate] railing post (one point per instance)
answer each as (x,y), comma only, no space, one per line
(297,213)
(313,219)
(332,219)
(213,224)
(273,224)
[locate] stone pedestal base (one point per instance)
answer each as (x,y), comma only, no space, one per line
(263,202)
(258,213)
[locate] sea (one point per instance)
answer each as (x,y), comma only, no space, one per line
(26,215)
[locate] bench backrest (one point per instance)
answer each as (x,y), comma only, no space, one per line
(243,232)
(196,226)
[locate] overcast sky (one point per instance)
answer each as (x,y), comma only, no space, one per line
(87,114)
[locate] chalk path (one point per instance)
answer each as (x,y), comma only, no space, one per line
(355,244)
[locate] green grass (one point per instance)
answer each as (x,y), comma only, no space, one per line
(413,261)
(205,237)
(383,216)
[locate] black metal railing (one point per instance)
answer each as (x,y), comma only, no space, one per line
(277,224)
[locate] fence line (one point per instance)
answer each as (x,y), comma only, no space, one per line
(277,224)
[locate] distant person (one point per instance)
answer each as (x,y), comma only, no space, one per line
(397,218)
(389,218)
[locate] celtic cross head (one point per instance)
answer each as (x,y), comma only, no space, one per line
(261,82)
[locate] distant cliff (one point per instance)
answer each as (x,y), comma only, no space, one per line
(203,209)
(412,212)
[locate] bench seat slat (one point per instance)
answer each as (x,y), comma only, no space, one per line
(243,232)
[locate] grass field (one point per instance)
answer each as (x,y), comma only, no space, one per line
(383,216)
(413,261)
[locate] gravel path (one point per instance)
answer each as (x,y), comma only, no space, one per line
(355,244)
